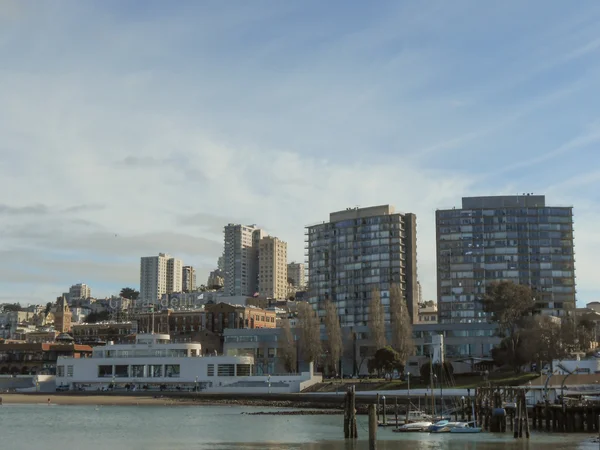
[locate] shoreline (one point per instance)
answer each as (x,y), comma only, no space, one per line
(164,400)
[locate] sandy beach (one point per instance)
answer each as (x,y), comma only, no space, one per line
(161,400)
(114,400)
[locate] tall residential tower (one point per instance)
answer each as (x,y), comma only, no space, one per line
(357,250)
(188,279)
(159,275)
(516,238)
(240,258)
(272,268)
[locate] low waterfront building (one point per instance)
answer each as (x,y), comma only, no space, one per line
(223,315)
(103,332)
(172,322)
(466,346)
(154,362)
(37,358)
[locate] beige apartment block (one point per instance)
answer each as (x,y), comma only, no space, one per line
(272,268)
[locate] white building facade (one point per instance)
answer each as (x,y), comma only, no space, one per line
(153,363)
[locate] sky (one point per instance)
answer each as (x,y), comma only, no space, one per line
(131,128)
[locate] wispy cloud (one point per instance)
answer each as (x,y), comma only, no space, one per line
(127,131)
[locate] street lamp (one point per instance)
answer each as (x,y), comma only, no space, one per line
(269,381)
(408,380)
(196,384)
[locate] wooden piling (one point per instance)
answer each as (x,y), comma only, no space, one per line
(384,412)
(516,421)
(377,408)
(372,427)
(526,418)
(347,415)
(353,425)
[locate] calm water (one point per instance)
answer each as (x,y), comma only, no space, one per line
(222,428)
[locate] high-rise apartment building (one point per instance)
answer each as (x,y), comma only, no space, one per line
(272,268)
(516,238)
(357,250)
(79,291)
(240,257)
(297,274)
(159,275)
(188,280)
(174,275)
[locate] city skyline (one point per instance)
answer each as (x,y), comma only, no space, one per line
(109,128)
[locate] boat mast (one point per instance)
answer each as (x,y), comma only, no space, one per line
(431,382)
(152,332)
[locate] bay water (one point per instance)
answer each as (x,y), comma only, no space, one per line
(55,427)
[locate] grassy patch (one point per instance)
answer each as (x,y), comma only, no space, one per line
(463,381)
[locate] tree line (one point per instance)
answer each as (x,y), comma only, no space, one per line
(386,355)
(528,337)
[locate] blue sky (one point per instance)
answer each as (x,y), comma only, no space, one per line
(132,128)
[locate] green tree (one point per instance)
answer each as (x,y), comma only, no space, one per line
(9,307)
(541,341)
(509,306)
(129,293)
(96,317)
(48,308)
(385,361)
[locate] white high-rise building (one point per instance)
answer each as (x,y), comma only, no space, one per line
(159,275)
(297,275)
(272,268)
(189,279)
(79,291)
(241,259)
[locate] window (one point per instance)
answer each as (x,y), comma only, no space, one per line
(121,371)
(243,370)
(210,370)
(137,371)
(155,371)
(271,353)
(226,370)
(69,371)
(60,371)
(104,371)
(172,370)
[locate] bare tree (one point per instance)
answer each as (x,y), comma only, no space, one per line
(310,332)
(287,347)
(376,320)
(334,336)
(402,339)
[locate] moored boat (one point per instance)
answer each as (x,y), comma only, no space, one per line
(465,427)
(413,427)
(443,426)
